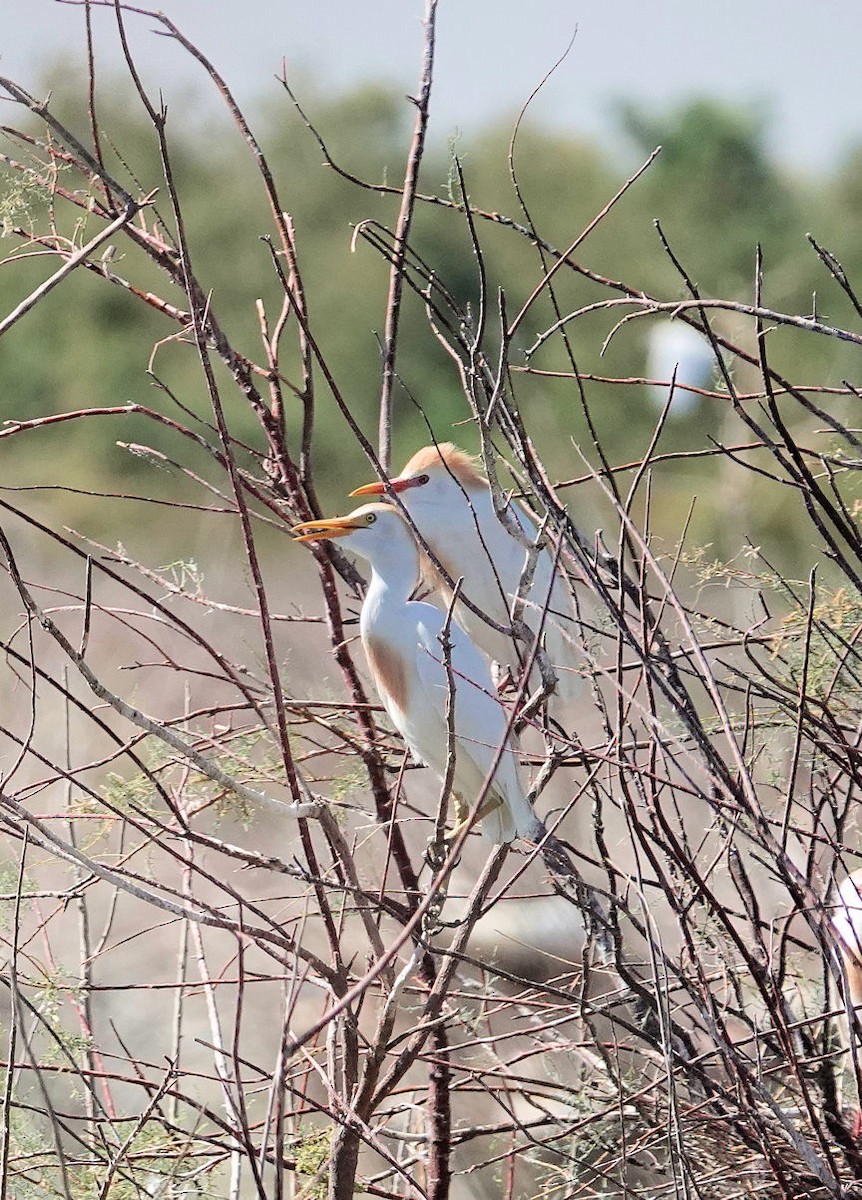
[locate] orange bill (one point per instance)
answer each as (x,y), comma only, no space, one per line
(324,530)
(379,488)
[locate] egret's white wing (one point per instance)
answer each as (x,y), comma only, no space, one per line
(479,547)
(480,724)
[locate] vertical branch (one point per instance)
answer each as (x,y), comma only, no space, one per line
(402,233)
(15,1019)
(222,1069)
(193,292)
(85,1004)
(91,84)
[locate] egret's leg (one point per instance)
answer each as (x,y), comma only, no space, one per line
(460,808)
(462,812)
(435,853)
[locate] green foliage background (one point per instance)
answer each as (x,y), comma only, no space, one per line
(714,188)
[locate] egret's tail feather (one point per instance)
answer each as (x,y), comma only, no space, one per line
(510,817)
(497,824)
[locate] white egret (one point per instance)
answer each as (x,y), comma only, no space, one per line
(678,352)
(450,503)
(847,922)
(402,639)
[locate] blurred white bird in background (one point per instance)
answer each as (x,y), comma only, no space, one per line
(846,920)
(402,639)
(449,501)
(676,351)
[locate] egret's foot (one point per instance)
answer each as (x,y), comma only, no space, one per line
(436,852)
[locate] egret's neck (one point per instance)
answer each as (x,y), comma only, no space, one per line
(459,508)
(394,574)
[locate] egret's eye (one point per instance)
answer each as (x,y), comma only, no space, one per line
(370,518)
(421,480)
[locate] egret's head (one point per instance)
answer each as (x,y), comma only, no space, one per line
(373,531)
(435,475)
(361,520)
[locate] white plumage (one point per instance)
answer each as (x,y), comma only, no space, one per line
(451,505)
(679,353)
(846,920)
(402,643)
(847,923)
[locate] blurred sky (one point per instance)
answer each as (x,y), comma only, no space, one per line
(794,61)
